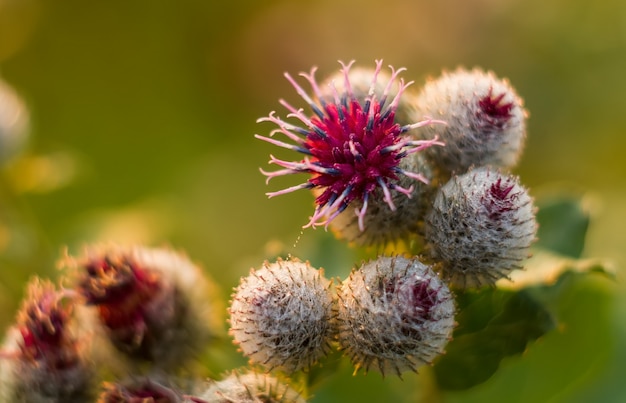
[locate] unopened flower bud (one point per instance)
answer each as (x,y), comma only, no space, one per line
(45,361)
(481,227)
(485,121)
(250,387)
(281,315)
(154,304)
(394,314)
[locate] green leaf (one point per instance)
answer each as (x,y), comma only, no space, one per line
(546,268)
(582,360)
(563,225)
(492,324)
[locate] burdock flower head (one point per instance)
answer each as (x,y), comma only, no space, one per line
(352,145)
(153,304)
(45,360)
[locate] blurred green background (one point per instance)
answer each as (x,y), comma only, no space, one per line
(143,115)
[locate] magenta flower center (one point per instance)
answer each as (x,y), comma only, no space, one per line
(353,147)
(356,157)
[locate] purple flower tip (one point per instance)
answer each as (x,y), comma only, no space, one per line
(499,198)
(494,110)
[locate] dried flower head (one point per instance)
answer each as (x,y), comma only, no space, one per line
(394,314)
(281,315)
(486,121)
(154,304)
(352,145)
(481,227)
(250,387)
(48,362)
(14,122)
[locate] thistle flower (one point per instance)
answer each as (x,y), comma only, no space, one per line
(352,147)
(14,123)
(486,121)
(394,314)
(281,315)
(45,361)
(250,387)
(154,304)
(481,227)
(382,225)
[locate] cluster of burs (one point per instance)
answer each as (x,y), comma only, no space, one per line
(388,165)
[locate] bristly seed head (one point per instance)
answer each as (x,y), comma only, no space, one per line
(352,147)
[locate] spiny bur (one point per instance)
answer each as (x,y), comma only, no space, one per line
(481,227)
(485,121)
(394,315)
(281,315)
